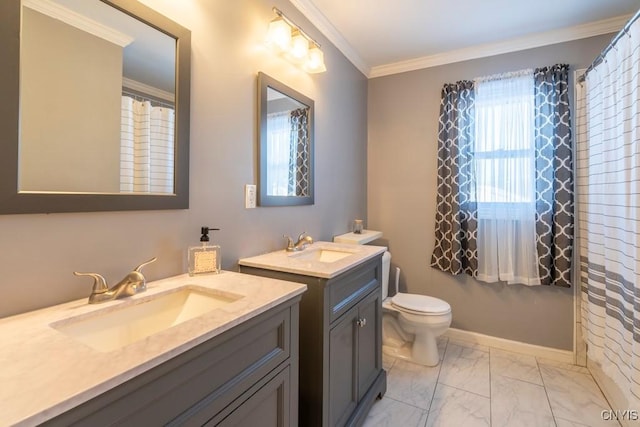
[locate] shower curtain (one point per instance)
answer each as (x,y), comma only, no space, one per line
(146,148)
(608,187)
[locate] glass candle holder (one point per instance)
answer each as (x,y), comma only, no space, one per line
(358,226)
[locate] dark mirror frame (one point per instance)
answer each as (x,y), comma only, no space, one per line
(265,82)
(13,202)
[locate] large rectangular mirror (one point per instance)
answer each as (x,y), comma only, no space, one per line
(95,113)
(286,145)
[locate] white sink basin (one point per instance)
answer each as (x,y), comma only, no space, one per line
(322,255)
(111,329)
(320,259)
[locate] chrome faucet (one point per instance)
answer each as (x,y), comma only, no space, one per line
(303,242)
(132,284)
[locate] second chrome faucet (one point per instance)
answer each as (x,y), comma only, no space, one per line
(303,241)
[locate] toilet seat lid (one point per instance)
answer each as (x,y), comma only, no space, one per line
(421,303)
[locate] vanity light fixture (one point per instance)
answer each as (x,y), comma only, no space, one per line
(279,35)
(299,48)
(286,38)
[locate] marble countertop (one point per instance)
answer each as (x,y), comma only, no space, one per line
(302,262)
(44,372)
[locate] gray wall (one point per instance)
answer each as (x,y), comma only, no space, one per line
(38,253)
(403,114)
(55,154)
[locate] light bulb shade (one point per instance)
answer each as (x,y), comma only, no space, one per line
(299,49)
(279,35)
(315,61)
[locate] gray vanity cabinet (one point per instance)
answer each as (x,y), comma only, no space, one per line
(341,371)
(246,376)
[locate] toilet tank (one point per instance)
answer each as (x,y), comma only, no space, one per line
(367,236)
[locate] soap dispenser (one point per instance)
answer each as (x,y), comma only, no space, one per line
(204,259)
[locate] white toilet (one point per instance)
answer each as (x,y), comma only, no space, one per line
(411,323)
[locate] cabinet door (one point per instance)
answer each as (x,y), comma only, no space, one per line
(343,359)
(369,341)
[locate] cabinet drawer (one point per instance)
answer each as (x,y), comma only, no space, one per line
(268,406)
(197,384)
(249,358)
(351,287)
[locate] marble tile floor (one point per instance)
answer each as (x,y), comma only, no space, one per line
(476,385)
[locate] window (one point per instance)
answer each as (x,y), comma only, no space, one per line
(504,148)
(504,209)
(279,153)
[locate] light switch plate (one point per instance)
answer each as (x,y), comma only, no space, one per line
(250,196)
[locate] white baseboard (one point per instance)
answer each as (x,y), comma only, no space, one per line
(564,356)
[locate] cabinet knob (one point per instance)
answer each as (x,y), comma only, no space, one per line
(361,322)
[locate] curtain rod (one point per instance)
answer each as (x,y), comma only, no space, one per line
(141,96)
(600,58)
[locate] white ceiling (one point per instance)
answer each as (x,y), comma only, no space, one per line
(388,36)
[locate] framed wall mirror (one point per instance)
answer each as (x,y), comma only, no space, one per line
(285,153)
(95,112)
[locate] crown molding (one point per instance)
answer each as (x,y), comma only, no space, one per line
(79,21)
(317,18)
(576,32)
(596,28)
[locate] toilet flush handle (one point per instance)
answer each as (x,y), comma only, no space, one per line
(361,322)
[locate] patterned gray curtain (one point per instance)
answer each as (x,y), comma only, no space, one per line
(299,158)
(456,215)
(554,175)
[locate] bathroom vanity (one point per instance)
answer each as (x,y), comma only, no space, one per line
(227,356)
(341,371)
(241,376)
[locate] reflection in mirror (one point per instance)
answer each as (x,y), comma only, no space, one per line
(95,112)
(97,92)
(286,145)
